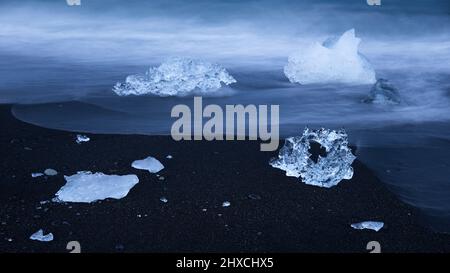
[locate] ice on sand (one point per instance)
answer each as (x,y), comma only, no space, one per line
(50,172)
(176,76)
(82,138)
(39,236)
(86,187)
(327,171)
(373,225)
(336,60)
(150,164)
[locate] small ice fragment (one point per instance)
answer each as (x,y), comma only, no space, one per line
(336,60)
(373,225)
(88,187)
(326,171)
(150,164)
(226,204)
(50,172)
(163,199)
(39,236)
(161,178)
(36,174)
(82,138)
(169,157)
(176,76)
(383,93)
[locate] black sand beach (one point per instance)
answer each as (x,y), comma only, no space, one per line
(269,212)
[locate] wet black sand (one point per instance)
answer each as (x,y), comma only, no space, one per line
(269,212)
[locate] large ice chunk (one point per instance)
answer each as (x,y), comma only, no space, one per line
(86,187)
(383,92)
(326,171)
(176,76)
(150,164)
(373,225)
(336,60)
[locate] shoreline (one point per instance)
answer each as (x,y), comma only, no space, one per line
(269,212)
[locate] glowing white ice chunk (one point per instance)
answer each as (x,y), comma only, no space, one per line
(176,76)
(295,158)
(337,60)
(39,236)
(86,187)
(150,164)
(373,225)
(82,138)
(36,174)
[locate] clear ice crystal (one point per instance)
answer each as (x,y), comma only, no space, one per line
(39,236)
(176,77)
(373,225)
(337,60)
(327,171)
